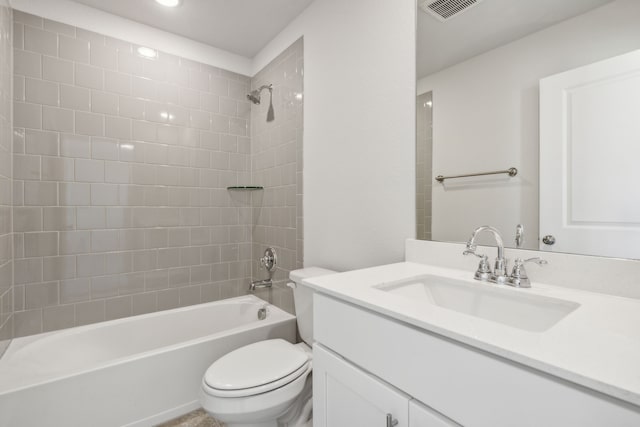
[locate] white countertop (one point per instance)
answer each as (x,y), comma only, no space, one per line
(597,345)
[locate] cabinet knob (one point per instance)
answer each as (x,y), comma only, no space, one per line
(391,422)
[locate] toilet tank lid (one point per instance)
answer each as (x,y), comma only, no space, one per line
(305,273)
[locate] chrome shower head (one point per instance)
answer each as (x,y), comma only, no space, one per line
(254,95)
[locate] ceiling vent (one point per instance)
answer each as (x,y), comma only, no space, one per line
(443,10)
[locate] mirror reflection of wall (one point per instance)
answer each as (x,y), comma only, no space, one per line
(487,114)
(424,184)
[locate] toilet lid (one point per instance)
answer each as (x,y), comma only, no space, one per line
(255,365)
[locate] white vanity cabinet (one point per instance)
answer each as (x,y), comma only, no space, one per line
(347,396)
(350,397)
(421,416)
(367,365)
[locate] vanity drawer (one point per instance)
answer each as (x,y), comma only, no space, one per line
(469,386)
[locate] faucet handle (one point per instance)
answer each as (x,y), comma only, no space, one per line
(484,271)
(471,246)
(518,266)
(473,252)
(519,277)
(536,260)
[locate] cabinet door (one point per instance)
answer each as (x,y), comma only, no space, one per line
(345,396)
(422,416)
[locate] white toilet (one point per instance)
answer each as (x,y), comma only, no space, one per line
(268,383)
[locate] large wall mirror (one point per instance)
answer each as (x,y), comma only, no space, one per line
(480,109)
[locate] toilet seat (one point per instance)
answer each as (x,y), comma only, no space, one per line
(252,391)
(256,368)
(257,408)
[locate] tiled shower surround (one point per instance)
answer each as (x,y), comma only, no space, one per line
(122,166)
(6,256)
(276,159)
(424,148)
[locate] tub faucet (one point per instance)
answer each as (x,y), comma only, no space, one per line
(268,262)
(266,283)
(499,273)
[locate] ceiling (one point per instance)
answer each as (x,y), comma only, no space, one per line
(242,27)
(486,26)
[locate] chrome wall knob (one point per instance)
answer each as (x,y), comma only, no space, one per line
(269,260)
(548,239)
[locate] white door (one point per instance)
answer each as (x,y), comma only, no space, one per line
(345,396)
(590,158)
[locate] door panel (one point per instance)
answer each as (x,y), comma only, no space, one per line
(589,158)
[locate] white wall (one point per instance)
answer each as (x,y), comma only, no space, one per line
(486,118)
(79,15)
(359,129)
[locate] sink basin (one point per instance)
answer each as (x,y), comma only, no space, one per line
(533,313)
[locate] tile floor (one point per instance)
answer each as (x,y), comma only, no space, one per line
(197,418)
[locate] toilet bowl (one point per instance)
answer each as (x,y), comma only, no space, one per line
(267,383)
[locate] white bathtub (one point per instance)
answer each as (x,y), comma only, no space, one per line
(137,371)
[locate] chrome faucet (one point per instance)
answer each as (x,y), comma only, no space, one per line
(518,277)
(268,262)
(499,274)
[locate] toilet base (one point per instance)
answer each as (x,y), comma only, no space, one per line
(266,424)
(300,413)
(297,414)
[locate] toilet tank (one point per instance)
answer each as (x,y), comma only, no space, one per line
(303,299)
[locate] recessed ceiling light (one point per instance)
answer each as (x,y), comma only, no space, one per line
(169,3)
(147,52)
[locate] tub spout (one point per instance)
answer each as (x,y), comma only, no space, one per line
(266,283)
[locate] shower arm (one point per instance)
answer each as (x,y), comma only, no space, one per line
(263,87)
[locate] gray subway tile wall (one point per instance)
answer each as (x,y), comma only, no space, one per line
(424,168)
(122,166)
(6,178)
(276,158)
